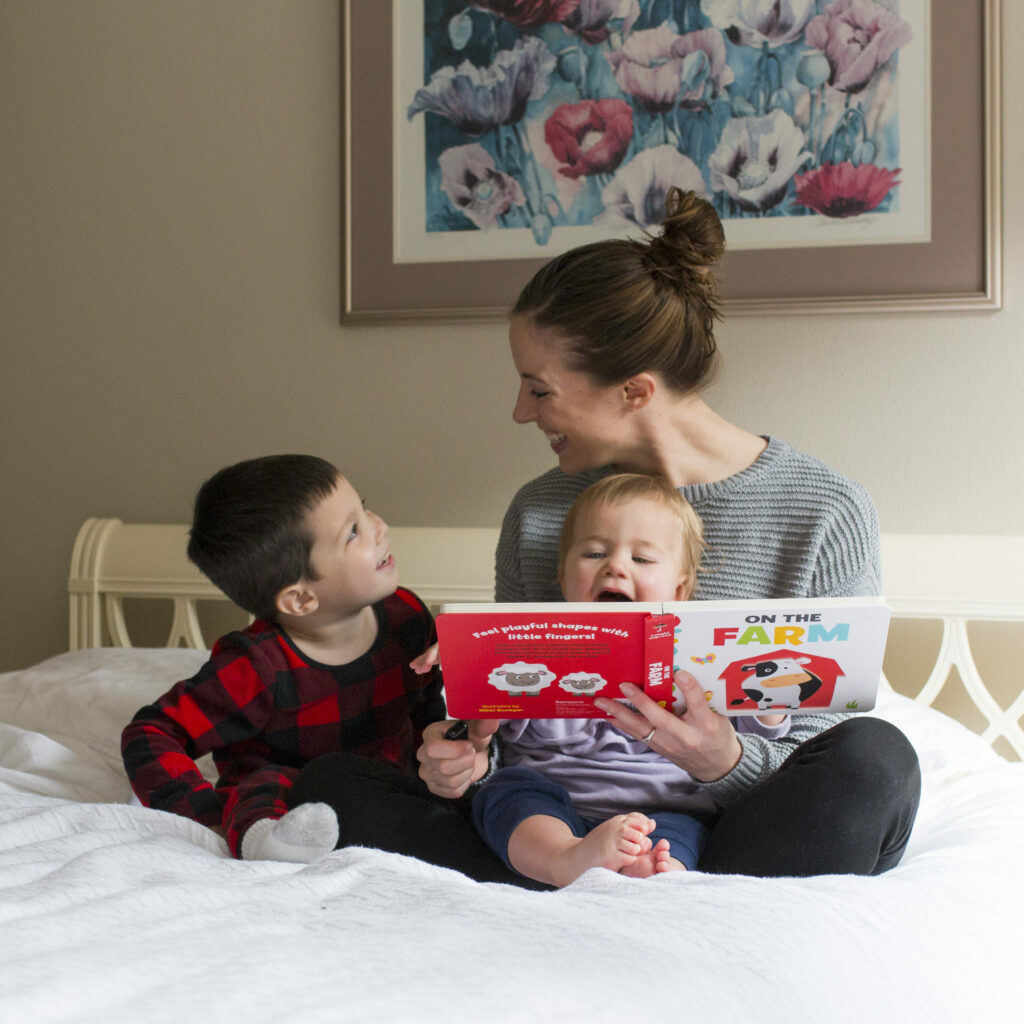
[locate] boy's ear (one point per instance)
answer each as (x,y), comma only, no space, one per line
(684,589)
(296,600)
(639,390)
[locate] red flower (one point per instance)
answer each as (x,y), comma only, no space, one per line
(529,13)
(589,137)
(845,190)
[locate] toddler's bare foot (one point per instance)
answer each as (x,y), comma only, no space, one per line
(653,862)
(663,859)
(614,844)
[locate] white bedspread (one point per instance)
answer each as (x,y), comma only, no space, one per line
(114,913)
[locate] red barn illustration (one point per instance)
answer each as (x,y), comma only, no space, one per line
(784,678)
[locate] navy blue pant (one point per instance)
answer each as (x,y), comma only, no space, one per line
(515,794)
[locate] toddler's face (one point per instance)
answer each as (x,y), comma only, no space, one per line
(351,552)
(631,551)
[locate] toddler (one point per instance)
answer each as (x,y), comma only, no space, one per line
(323,668)
(554,811)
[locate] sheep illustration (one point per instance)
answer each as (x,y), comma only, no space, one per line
(521,679)
(582,683)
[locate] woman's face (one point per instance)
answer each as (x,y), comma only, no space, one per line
(582,421)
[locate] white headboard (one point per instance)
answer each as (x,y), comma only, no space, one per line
(953,580)
(113,561)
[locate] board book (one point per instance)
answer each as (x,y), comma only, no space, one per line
(749,657)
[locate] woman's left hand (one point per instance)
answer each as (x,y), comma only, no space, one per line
(704,744)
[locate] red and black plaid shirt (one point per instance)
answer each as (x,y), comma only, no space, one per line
(259,702)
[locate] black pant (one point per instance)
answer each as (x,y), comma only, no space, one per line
(380,806)
(842,803)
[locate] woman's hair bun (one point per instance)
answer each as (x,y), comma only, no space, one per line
(623,306)
(691,242)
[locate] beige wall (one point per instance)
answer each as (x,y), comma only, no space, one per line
(169,197)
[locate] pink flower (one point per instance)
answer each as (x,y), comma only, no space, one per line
(844,190)
(528,13)
(646,67)
(720,74)
(475,186)
(589,137)
(857,38)
(650,66)
(591,18)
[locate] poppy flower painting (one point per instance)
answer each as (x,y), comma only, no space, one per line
(536,120)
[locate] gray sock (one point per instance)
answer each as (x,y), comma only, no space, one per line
(305,834)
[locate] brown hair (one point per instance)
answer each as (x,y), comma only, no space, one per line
(622,487)
(632,306)
(249,531)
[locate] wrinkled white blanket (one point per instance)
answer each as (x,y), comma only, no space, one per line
(113,913)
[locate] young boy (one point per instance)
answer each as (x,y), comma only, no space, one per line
(555,811)
(323,668)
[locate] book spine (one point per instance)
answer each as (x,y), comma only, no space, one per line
(659,639)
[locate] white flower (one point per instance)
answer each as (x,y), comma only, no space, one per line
(478,99)
(636,195)
(756,158)
(755,22)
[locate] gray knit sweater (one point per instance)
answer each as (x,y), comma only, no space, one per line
(787,526)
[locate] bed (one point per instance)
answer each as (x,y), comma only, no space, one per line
(112,912)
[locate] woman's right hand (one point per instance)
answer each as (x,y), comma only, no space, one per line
(692,736)
(448,767)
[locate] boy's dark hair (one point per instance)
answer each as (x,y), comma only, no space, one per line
(249,533)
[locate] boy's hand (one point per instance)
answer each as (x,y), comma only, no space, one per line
(426,661)
(448,767)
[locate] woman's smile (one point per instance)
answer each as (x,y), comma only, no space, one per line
(557,441)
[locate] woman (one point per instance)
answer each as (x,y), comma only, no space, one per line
(614,343)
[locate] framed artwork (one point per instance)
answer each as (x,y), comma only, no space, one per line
(482,139)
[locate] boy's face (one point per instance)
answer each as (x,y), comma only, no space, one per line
(350,553)
(630,551)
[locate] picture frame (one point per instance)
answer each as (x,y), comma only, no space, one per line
(959,269)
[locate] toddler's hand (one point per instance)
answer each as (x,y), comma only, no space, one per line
(426,661)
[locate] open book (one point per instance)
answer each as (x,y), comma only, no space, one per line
(750,657)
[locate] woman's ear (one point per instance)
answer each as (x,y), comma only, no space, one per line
(639,390)
(296,600)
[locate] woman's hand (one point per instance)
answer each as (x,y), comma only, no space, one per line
(449,766)
(701,742)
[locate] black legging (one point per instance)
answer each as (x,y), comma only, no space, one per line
(843,802)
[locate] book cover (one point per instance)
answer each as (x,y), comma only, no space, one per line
(749,657)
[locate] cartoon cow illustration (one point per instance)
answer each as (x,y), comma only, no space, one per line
(582,683)
(521,679)
(779,682)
